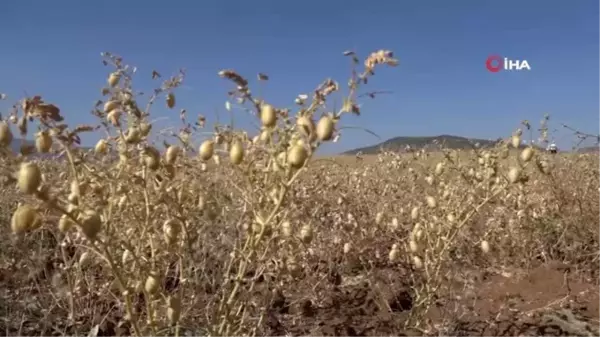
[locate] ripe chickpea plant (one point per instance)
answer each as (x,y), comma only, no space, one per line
(204,237)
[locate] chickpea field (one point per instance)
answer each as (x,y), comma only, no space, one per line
(244,233)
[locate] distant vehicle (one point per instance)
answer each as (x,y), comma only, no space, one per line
(552,148)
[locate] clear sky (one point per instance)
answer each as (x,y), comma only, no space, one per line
(441,86)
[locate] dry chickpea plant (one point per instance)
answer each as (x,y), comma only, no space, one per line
(253,234)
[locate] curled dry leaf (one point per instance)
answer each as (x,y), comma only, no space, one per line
(36,107)
(170,100)
(233,76)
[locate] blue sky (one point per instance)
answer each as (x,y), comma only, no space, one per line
(441,86)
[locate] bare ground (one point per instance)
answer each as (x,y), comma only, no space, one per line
(344,297)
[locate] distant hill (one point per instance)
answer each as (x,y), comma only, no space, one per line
(589,149)
(448,141)
(18,142)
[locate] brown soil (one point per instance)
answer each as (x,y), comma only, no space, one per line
(334,298)
(549,300)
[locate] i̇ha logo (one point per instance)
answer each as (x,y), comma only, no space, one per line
(495,63)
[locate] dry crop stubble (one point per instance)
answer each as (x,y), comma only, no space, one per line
(255,235)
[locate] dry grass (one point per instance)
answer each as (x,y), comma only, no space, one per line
(257,237)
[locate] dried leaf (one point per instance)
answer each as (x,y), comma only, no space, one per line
(263,77)
(45,110)
(355,109)
(84,128)
(233,76)
(201,121)
(155,74)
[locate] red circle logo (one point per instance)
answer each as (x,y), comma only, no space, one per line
(489,63)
